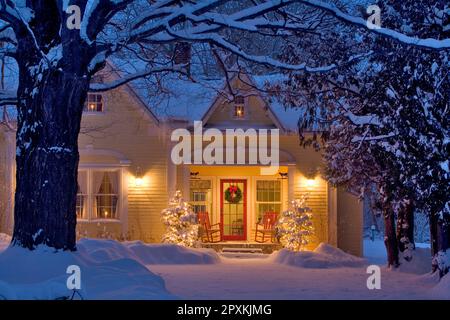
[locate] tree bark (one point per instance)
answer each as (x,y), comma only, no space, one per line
(390,239)
(434,234)
(405,229)
(441,251)
(49,115)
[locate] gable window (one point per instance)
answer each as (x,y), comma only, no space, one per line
(268,197)
(239,107)
(94,103)
(98,194)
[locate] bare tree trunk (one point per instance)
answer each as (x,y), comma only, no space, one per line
(49,116)
(390,239)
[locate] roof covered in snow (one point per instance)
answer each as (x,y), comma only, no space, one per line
(176,98)
(187,100)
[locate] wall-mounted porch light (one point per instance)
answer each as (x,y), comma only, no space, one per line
(310,176)
(138,180)
(283,175)
(193,175)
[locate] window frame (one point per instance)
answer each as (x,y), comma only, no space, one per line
(85,204)
(96,194)
(208,202)
(94,112)
(90,214)
(257,203)
(243,107)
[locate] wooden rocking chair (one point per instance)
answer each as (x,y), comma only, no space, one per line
(209,232)
(265,230)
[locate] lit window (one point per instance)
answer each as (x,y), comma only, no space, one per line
(98,194)
(268,197)
(239,110)
(106,186)
(94,103)
(201,197)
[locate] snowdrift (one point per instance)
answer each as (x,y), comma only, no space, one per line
(420,263)
(323,257)
(109,270)
(442,289)
(147,253)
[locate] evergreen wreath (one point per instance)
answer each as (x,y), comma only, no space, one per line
(233,194)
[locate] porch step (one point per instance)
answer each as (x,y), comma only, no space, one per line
(242,250)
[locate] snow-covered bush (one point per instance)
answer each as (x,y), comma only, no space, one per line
(181,223)
(294,227)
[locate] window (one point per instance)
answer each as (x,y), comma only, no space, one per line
(201,197)
(239,110)
(98,194)
(94,103)
(81,195)
(105,186)
(268,197)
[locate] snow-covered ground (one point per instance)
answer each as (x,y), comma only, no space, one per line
(326,273)
(109,270)
(375,253)
(135,270)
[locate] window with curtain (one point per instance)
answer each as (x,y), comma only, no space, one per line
(106,194)
(268,197)
(82,194)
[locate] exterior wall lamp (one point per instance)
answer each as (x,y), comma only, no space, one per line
(139,180)
(310,176)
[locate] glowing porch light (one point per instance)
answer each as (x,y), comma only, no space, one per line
(138,180)
(310,179)
(310,183)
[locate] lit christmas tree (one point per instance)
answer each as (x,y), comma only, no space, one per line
(181,223)
(294,227)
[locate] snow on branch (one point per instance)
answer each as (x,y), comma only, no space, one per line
(97,14)
(216,39)
(99,87)
(369,119)
(373,138)
(333,10)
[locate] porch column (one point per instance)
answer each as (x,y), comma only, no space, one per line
(186,181)
(291,181)
(171,173)
(332,216)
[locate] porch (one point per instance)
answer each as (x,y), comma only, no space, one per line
(243,247)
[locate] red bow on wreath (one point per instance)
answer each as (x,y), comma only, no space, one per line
(233,194)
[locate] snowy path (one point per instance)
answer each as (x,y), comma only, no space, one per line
(264,279)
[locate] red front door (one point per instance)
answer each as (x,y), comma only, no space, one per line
(233,209)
